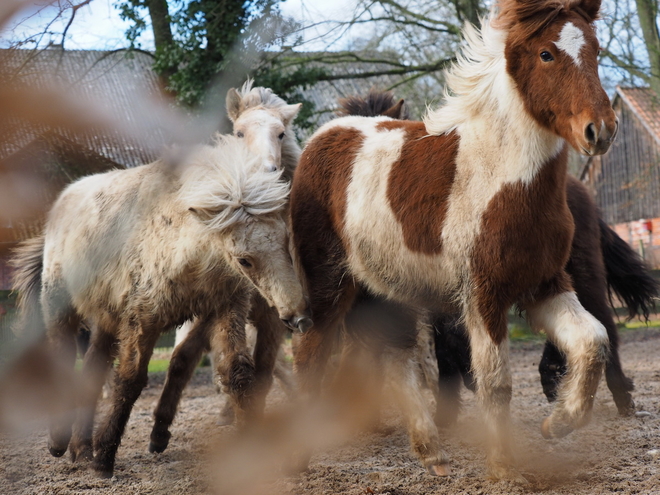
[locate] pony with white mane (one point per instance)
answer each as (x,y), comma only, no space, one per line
(135,252)
(263,121)
(465,213)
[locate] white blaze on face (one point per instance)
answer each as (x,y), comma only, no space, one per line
(571,41)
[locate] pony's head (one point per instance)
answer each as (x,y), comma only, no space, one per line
(263,120)
(242,206)
(551,53)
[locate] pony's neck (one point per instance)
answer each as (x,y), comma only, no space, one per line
(485,108)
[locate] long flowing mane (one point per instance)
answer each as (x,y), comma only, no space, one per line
(229,184)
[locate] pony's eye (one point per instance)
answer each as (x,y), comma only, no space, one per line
(244,262)
(547,56)
(280,137)
(240,134)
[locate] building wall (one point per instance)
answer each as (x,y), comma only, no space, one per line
(626,180)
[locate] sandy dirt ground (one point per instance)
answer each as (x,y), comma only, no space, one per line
(610,455)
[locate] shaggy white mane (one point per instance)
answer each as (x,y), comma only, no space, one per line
(254,97)
(477,82)
(229,185)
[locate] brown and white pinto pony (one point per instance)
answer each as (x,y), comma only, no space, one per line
(467,212)
(600,262)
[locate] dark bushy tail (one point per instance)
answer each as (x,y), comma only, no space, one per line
(627,274)
(28,262)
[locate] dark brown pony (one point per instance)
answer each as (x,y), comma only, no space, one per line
(600,263)
(467,212)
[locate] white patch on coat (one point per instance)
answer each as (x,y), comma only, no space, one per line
(571,41)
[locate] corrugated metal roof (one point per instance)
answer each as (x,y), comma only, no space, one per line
(113,77)
(646,105)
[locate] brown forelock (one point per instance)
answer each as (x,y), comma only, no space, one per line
(532,16)
(523,246)
(556,92)
(318,205)
(419,184)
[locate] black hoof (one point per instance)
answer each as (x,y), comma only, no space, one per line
(55,452)
(102,471)
(159,442)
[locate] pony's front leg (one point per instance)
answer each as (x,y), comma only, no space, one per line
(583,339)
(232,358)
(491,368)
(270,333)
(184,360)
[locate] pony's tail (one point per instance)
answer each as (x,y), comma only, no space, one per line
(627,274)
(28,262)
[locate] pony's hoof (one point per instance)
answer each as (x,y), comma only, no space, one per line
(545,429)
(159,442)
(102,471)
(550,430)
(439,470)
(499,471)
(626,408)
(56,451)
(83,454)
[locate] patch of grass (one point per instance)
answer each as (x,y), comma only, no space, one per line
(522,332)
(633,325)
(158,365)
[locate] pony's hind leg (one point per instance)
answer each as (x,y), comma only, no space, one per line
(62,323)
(406,381)
(185,358)
(97,362)
(584,342)
(130,378)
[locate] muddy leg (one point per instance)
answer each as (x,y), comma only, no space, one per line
(406,380)
(97,362)
(233,360)
(584,341)
(184,360)
(130,378)
(448,400)
(490,364)
(270,334)
(62,325)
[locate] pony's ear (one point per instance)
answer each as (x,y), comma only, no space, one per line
(396,110)
(233,104)
(289,112)
(591,8)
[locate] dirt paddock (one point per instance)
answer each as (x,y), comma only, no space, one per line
(611,455)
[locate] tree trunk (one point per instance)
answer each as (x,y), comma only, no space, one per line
(163,40)
(647,10)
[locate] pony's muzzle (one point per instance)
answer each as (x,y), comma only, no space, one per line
(598,138)
(300,323)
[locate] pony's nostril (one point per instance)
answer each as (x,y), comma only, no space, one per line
(591,134)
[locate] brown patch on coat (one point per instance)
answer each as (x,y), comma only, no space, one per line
(318,206)
(419,184)
(523,246)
